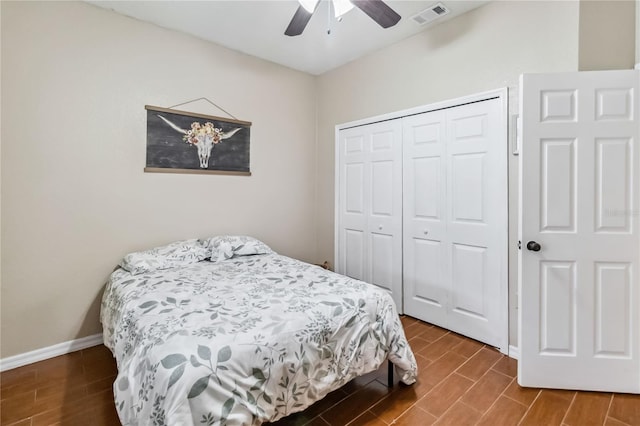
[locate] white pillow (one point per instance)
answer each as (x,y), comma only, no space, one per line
(175,254)
(226,247)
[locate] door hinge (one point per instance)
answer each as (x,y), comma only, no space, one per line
(519,245)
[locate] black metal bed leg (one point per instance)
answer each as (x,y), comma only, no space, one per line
(389,374)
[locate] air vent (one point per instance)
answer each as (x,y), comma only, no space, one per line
(440,10)
(431,14)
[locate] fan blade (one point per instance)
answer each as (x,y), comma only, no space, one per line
(298,22)
(378,11)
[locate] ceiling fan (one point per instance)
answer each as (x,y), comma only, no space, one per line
(375,9)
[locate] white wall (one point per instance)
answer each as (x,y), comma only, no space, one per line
(637,34)
(607,35)
(485,49)
(75,80)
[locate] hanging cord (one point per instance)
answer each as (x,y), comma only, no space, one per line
(208,100)
(328,18)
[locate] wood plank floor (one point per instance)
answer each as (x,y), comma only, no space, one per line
(461,382)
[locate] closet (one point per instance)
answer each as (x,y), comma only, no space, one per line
(421,211)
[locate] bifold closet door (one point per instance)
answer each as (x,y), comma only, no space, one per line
(455,219)
(370,205)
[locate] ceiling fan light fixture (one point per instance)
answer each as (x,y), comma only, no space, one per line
(377,10)
(340,7)
(309,5)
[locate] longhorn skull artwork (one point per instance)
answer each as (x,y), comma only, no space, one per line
(204,137)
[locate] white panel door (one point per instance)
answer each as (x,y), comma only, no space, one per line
(370,203)
(455,219)
(425,241)
(353,200)
(578,316)
(477,225)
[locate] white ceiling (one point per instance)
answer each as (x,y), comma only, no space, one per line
(257,27)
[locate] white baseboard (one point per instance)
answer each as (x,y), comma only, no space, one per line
(16,361)
(514,352)
(638,66)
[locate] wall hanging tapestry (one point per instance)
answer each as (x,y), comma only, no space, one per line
(187,142)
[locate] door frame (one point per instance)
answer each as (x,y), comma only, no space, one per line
(503,95)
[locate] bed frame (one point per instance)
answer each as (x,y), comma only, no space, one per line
(389,374)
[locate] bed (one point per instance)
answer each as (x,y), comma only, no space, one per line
(226,331)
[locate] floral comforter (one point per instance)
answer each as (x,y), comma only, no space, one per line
(244,340)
